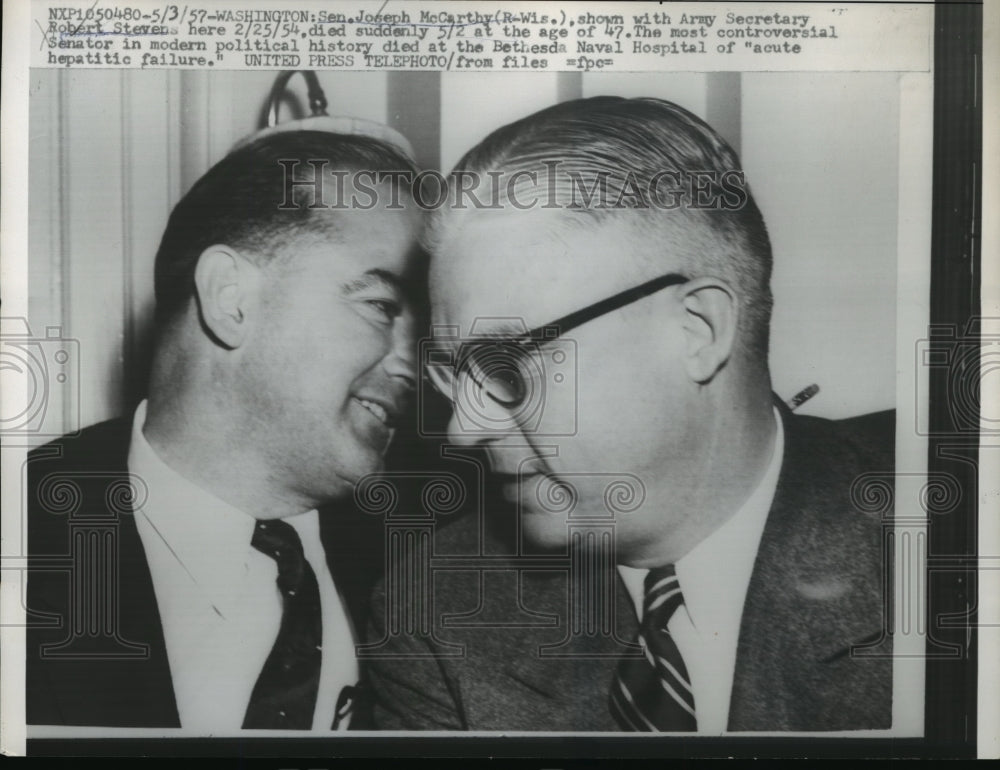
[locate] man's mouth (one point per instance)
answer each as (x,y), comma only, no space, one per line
(386,409)
(381,412)
(376,409)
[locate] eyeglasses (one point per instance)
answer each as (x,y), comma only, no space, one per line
(505,369)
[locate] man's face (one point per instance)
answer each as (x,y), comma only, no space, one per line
(627,412)
(330,366)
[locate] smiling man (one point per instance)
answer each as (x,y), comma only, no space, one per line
(745,589)
(284,355)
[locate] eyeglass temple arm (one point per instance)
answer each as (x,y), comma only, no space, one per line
(621,299)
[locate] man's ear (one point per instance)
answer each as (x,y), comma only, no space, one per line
(711,315)
(226,286)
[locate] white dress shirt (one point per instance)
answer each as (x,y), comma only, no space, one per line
(713,579)
(219,604)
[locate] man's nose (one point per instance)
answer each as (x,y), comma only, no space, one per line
(458,434)
(402,359)
(476,419)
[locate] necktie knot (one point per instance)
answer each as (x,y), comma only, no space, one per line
(280,541)
(662,598)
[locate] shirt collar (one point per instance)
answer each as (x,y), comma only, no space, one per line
(714,596)
(209,537)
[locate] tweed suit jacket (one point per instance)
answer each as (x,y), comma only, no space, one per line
(77,674)
(817,590)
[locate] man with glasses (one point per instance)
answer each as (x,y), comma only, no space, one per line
(608,318)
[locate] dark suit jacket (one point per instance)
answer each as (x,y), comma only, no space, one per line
(816,591)
(95,648)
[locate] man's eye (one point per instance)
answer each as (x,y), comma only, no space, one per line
(386,307)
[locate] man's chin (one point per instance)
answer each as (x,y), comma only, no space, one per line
(373,466)
(544,529)
(551,526)
(360,469)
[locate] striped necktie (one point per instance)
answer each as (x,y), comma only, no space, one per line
(286,690)
(653,693)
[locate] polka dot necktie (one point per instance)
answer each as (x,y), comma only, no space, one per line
(284,696)
(653,693)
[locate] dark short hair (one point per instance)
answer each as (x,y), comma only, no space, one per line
(244,201)
(639,139)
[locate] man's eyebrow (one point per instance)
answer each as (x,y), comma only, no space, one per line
(372,278)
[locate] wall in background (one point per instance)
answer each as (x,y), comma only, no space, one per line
(821,154)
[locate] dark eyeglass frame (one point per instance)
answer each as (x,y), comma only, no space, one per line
(546,333)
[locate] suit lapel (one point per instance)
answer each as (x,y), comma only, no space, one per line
(135,690)
(570,680)
(140,622)
(814,591)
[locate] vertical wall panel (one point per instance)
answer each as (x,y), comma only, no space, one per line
(45,285)
(148,150)
(723,106)
(44,303)
(172,150)
(93,241)
(414,109)
(194,126)
(227,99)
